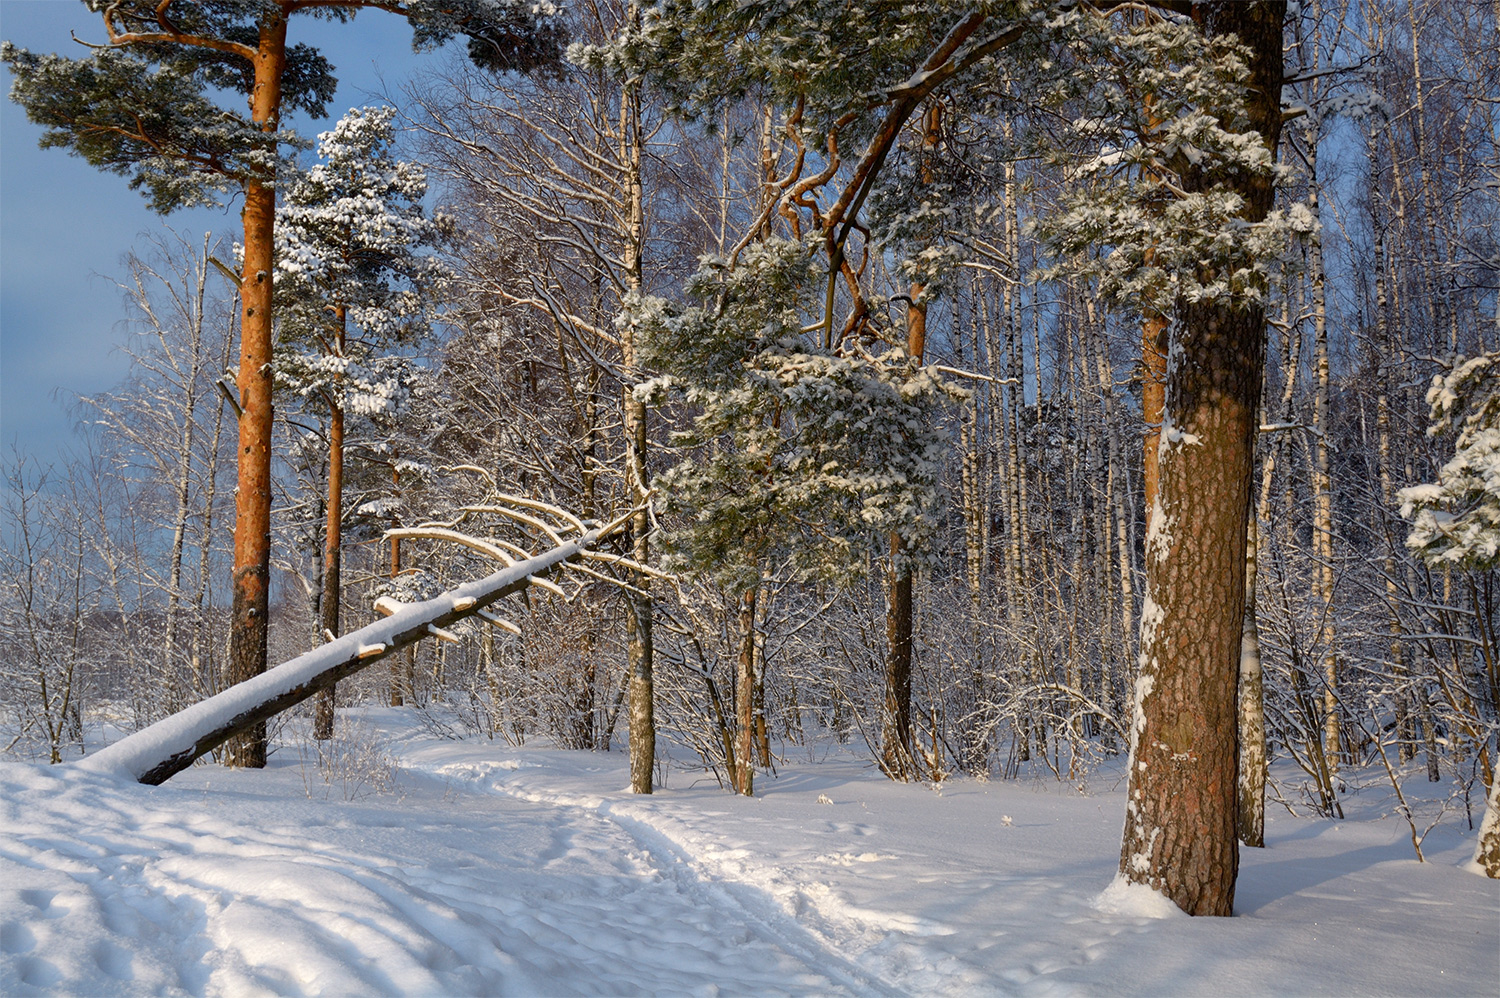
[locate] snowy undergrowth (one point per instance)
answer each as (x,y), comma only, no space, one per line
(531,871)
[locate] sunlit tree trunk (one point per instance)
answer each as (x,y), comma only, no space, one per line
(332,534)
(1181,813)
(252,521)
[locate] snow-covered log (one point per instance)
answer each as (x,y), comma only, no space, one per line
(158,752)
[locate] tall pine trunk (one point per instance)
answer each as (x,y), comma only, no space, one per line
(332,537)
(897,755)
(252,520)
(1180,825)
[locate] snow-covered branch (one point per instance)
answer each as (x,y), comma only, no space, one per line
(158,752)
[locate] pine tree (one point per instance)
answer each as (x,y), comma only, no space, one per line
(1456,520)
(799,455)
(350,286)
(143,105)
(1180,825)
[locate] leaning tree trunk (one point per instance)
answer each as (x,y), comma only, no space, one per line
(156,753)
(252,510)
(1180,834)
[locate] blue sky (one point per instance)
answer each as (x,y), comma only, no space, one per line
(65,227)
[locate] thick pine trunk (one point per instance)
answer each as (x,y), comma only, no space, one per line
(1153,398)
(1180,820)
(1180,825)
(252,522)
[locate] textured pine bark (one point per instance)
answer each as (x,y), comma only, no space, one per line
(252,520)
(1180,834)
(897,755)
(1180,825)
(1153,398)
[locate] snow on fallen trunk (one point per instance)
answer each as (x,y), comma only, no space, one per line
(158,752)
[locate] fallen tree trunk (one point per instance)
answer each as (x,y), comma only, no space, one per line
(158,752)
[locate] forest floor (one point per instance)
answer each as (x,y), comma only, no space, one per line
(484,869)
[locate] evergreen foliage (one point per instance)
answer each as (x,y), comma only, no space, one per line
(348,233)
(796,453)
(1154,142)
(1456,520)
(154,124)
(143,105)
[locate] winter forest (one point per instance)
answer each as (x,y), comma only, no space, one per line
(978,426)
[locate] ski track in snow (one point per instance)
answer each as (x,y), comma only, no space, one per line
(531,872)
(892,949)
(722,880)
(209,907)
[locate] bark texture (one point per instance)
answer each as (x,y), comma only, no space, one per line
(897,755)
(640,651)
(252,510)
(744,700)
(1180,825)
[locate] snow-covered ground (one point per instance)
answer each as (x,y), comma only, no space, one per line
(503,871)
